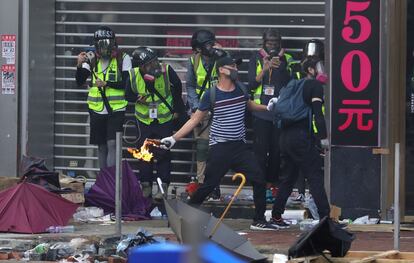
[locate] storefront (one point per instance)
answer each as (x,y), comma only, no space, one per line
(50,113)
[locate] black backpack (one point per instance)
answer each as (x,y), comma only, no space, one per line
(327,235)
(290,106)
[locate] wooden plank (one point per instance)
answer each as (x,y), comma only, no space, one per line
(373,258)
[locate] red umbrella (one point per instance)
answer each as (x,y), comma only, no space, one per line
(29,208)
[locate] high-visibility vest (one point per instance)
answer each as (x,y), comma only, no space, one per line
(258,91)
(201,73)
(162,85)
(116,97)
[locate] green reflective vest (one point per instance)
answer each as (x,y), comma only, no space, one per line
(258,91)
(162,85)
(201,73)
(116,97)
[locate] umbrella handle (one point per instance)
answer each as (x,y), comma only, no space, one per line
(243,181)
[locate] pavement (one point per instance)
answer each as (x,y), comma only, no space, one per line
(266,242)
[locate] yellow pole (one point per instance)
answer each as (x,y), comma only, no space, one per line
(243,181)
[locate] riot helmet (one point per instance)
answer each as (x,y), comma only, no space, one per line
(146,59)
(314,48)
(202,37)
(104,41)
(272,41)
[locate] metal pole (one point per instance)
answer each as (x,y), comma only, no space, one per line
(118,183)
(397,198)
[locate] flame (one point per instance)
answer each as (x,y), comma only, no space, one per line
(143,153)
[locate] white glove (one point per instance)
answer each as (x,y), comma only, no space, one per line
(271,103)
(167,143)
(325,144)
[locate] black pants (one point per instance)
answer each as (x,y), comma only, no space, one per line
(163,164)
(238,157)
(266,147)
(299,151)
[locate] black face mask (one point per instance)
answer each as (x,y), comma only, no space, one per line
(233,75)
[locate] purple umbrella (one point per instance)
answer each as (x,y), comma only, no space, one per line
(102,193)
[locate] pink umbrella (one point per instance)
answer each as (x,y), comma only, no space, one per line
(29,208)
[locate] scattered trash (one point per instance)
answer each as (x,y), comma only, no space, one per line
(365,220)
(155,213)
(311,206)
(89,214)
(280,258)
(142,237)
(307,224)
(61,229)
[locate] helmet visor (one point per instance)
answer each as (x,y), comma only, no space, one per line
(313,49)
(104,47)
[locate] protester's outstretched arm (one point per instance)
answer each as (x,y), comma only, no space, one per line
(253,106)
(196,118)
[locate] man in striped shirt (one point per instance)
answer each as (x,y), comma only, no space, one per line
(228,148)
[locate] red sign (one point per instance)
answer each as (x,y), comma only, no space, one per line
(185,42)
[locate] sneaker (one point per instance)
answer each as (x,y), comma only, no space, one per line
(263,226)
(215,195)
(279,223)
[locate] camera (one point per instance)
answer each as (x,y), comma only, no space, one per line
(218,52)
(273,53)
(90,56)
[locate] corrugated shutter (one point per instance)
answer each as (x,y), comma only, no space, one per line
(167,27)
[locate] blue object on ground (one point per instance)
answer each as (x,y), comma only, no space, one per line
(213,253)
(160,253)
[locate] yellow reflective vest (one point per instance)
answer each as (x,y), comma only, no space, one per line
(162,85)
(116,97)
(201,73)
(258,91)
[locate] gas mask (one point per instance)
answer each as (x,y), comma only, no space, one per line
(153,68)
(321,76)
(209,51)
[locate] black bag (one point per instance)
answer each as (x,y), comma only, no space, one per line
(327,235)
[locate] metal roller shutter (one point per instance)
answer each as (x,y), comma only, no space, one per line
(167,27)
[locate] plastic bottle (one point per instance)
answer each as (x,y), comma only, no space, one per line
(61,229)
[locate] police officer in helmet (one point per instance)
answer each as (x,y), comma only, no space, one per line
(108,68)
(157,95)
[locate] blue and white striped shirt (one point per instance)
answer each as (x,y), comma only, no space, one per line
(229,113)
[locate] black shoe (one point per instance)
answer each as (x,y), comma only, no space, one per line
(215,195)
(262,225)
(279,223)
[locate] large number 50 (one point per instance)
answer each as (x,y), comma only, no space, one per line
(364,23)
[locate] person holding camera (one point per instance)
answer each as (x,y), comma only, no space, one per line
(269,71)
(227,101)
(157,90)
(108,68)
(201,75)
